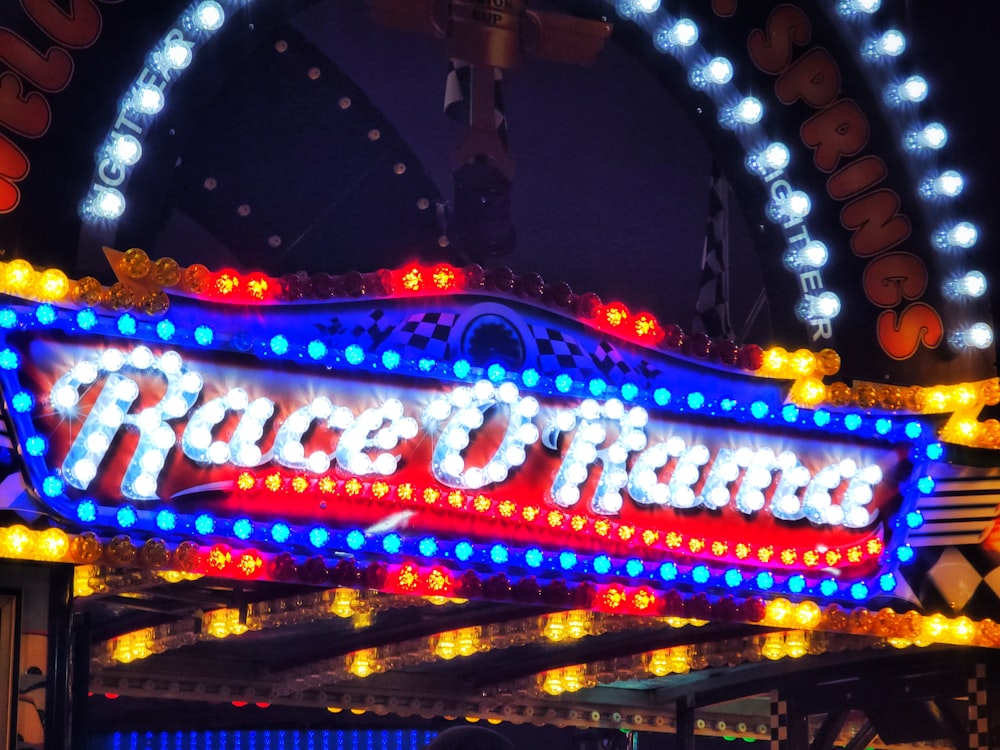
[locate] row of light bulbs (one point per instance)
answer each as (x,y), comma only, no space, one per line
(144,100)
(676,36)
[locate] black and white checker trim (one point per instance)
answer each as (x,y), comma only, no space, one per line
(979,724)
(559,352)
(611,364)
(779,723)
(425,334)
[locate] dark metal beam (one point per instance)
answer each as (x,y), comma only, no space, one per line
(829,730)
(865,735)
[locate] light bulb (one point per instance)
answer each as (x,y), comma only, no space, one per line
(892,43)
(794,205)
(823,306)
(683,34)
(716,71)
(947,184)
(772,158)
(748,111)
(105,203)
(931,137)
(125,149)
(911,91)
(960,236)
(146,99)
(173,55)
(813,254)
(853,8)
(972,284)
(207,16)
(976,336)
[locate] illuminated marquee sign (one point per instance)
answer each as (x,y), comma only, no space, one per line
(218,431)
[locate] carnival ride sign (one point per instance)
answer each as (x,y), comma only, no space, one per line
(250,426)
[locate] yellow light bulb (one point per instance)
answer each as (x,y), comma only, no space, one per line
(658,664)
(796,644)
(343,601)
(802,362)
(577,623)
(774,361)
(554,626)
(467,642)
(962,629)
(52,544)
(52,285)
(773,647)
(362,663)
(552,683)
(680,659)
(807,614)
(778,611)
(17,541)
(19,276)
(445,646)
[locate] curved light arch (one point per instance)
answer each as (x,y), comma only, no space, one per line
(786,206)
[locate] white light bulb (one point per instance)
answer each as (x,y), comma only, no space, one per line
(684,33)
(772,158)
(947,184)
(892,43)
(813,254)
(208,16)
(647,6)
(823,306)
(866,7)
(716,72)
(719,70)
(748,111)
(794,205)
(932,137)
(125,149)
(911,91)
(105,203)
(960,236)
(176,54)
(146,99)
(976,336)
(972,284)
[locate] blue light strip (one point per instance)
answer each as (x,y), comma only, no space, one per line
(267,739)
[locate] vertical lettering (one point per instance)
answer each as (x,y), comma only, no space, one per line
(900,335)
(893,277)
(876,222)
(14,167)
(839,130)
(856,177)
(49,72)
(25,114)
(76,28)
(771,47)
(814,78)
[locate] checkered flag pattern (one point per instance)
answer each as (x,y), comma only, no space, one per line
(712,304)
(372,330)
(559,352)
(979,724)
(953,580)
(458,91)
(425,334)
(610,362)
(779,723)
